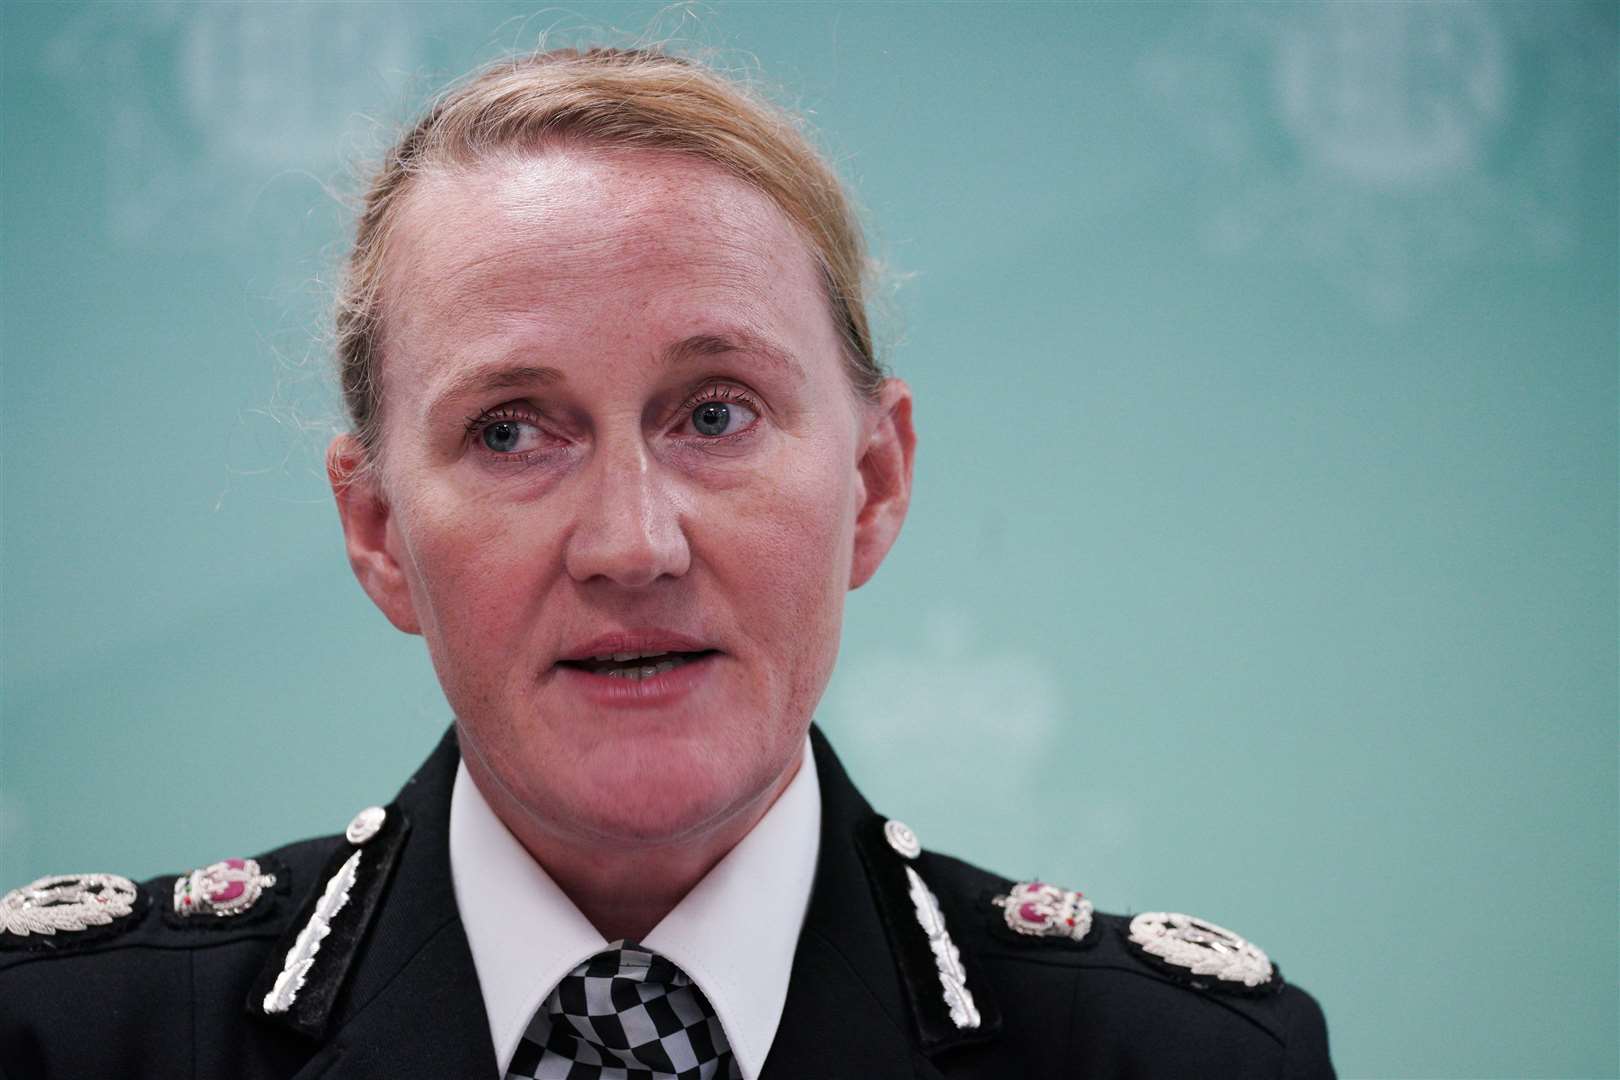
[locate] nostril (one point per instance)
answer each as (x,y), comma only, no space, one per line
(629,542)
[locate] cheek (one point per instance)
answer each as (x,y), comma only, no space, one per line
(473,568)
(787,556)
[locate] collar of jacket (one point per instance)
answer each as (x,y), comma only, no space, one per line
(393,990)
(864,998)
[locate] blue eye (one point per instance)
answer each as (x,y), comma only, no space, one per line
(508,436)
(716,418)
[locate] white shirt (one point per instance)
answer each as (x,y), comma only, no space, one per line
(734,933)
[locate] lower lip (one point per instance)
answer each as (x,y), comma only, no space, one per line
(665,688)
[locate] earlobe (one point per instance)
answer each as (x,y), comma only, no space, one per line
(368,532)
(885,475)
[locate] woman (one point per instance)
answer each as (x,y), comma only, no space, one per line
(620,446)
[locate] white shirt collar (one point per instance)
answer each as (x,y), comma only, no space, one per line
(735,933)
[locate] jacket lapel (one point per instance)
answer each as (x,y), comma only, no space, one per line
(413,1007)
(845,1013)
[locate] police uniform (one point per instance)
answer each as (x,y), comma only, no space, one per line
(345,957)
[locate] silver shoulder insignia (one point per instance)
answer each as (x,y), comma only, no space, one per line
(222,889)
(1037,909)
(67,902)
(1201,947)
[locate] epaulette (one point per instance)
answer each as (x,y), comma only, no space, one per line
(1183,949)
(68,913)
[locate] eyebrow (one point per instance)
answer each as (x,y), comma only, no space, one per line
(505,376)
(699,346)
(481,380)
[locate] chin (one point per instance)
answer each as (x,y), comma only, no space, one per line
(665,797)
(656,817)
(638,791)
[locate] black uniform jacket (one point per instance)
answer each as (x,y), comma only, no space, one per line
(393,993)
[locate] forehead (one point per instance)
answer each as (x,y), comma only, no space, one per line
(570,238)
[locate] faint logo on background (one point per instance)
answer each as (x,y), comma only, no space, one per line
(1392,95)
(905,705)
(206,107)
(1391,147)
(915,711)
(969,731)
(271,87)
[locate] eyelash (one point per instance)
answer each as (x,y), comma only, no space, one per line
(712,392)
(501,413)
(729,394)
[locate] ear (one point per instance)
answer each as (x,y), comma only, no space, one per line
(888,446)
(368,531)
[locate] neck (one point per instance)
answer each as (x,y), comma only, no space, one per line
(625,895)
(625,889)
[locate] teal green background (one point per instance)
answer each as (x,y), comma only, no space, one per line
(1262,562)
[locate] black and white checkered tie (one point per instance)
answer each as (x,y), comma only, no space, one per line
(625,1014)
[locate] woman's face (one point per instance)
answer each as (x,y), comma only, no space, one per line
(616,420)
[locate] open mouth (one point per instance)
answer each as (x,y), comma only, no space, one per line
(636,665)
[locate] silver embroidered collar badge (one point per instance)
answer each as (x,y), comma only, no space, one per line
(947,957)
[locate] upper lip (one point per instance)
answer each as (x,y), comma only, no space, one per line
(638,640)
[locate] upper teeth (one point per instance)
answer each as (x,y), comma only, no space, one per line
(622,656)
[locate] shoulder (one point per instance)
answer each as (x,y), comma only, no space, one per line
(241,967)
(1156,993)
(67,917)
(104,967)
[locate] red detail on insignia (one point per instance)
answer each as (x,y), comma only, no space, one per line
(1042,910)
(230,892)
(225,888)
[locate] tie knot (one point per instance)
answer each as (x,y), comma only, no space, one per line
(626,1013)
(628,961)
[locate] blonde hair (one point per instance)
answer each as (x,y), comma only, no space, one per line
(615,98)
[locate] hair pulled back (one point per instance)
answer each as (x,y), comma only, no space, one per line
(613,98)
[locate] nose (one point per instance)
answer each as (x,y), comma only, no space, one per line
(628,526)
